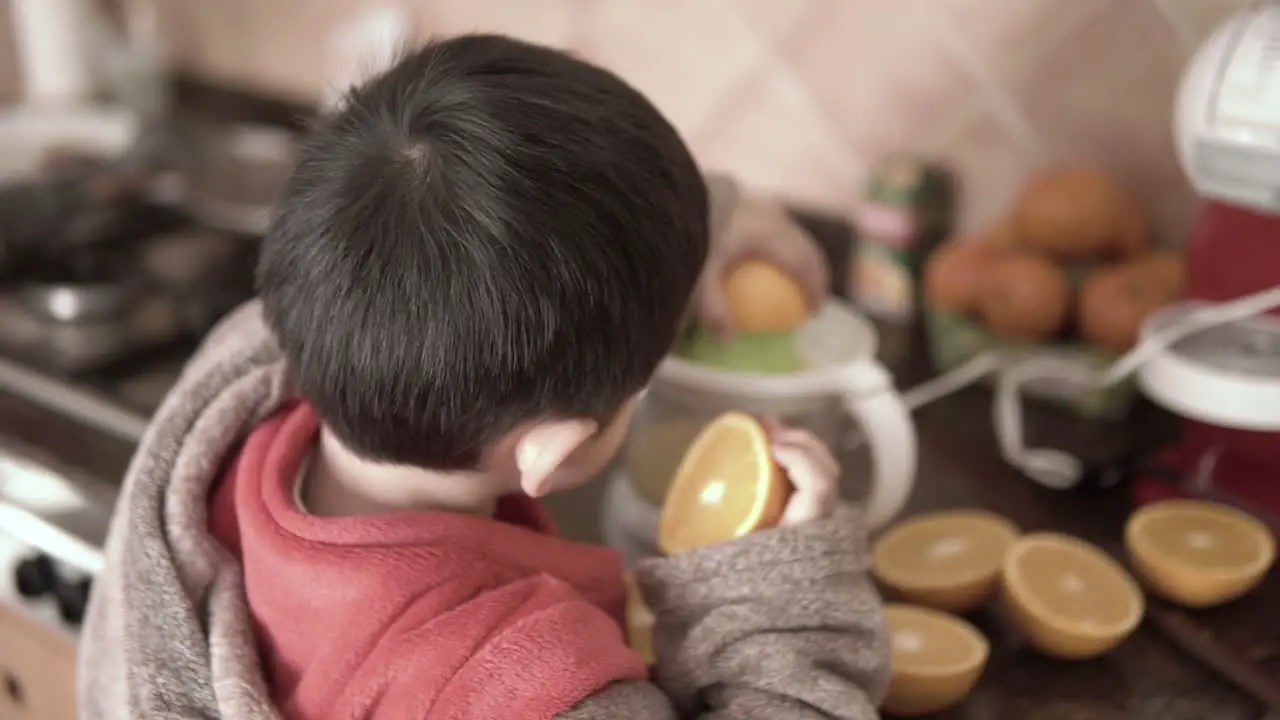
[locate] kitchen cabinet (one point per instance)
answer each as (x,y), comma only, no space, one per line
(37,669)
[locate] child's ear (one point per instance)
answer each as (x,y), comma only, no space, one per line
(542,449)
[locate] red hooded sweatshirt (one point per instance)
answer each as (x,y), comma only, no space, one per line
(415,614)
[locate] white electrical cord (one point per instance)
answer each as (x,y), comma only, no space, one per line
(948,383)
(953,381)
(1056,468)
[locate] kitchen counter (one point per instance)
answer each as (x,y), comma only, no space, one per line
(1146,678)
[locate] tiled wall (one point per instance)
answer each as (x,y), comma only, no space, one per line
(800,96)
(8,56)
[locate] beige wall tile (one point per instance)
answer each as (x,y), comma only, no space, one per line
(1012,38)
(799,96)
(1105,96)
(1194,20)
(8,57)
(775,20)
(273,45)
(686,56)
(990,166)
(879,72)
(774,138)
(550,22)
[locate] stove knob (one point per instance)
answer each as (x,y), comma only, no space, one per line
(35,576)
(72,597)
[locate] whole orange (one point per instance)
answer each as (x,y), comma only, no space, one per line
(763,298)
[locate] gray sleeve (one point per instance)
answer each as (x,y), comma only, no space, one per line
(781,624)
(628,699)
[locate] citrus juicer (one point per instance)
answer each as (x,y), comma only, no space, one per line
(841,380)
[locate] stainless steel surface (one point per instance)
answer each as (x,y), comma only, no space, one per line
(75,347)
(192,261)
(176,286)
(237,174)
(76,403)
(144,390)
(76,394)
(66,518)
(73,317)
(80,302)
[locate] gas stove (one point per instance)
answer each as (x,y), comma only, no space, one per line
(54,600)
(105,292)
(79,343)
(58,482)
(89,308)
(78,382)
(107,277)
(37,577)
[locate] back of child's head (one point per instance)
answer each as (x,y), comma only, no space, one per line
(489,233)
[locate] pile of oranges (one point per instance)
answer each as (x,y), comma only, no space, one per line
(1074,259)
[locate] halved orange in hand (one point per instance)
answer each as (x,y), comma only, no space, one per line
(727,486)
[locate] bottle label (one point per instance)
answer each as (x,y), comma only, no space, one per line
(891,225)
(882,284)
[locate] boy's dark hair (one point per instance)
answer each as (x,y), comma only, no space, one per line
(488,233)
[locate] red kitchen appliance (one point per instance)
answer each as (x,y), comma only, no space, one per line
(1227,126)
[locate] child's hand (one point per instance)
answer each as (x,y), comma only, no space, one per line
(813,471)
(759,229)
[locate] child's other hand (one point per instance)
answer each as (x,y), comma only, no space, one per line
(812,470)
(759,229)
